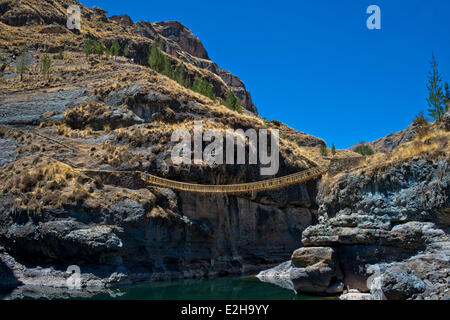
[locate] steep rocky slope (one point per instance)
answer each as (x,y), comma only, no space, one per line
(389,142)
(383,228)
(41,25)
(116,114)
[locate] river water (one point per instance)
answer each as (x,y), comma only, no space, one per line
(242,288)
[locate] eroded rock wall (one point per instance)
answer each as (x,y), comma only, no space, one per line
(389,231)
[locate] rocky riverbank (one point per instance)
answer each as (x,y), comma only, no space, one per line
(383,233)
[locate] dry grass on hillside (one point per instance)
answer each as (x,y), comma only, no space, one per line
(50,184)
(434,146)
(40,182)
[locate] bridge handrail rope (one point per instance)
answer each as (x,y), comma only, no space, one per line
(265,185)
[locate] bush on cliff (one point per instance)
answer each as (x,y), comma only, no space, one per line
(93,47)
(180,76)
(160,63)
(126,51)
(447,96)
(364,150)
(46,64)
(203,87)
(323,151)
(232,102)
(156,59)
(114,50)
(333,150)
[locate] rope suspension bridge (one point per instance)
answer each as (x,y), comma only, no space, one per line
(265,185)
(252,187)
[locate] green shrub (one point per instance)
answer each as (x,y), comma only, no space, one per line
(447,96)
(436,95)
(333,149)
(323,151)
(93,47)
(203,87)
(180,76)
(156,59)
(126,51)
(46,64)
(232,102)
(114,50)
(160,63)
(364,150)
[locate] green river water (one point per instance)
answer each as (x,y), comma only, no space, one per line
(242,288)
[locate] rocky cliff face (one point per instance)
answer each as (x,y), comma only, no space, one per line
(389,142)
(117,114)
(384,230)
(30,21)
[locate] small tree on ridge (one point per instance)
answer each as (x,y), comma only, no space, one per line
(435,94)
(46,64)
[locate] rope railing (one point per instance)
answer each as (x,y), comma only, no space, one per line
(272,184)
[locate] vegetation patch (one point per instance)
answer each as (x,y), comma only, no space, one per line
(364,150)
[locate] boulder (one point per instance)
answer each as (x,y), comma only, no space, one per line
(314,279)
(311,271)
(355,295)
(184,37)
(400,283)
(99,11)
(18,111)
(100,116)
(7,277)
(123,20)
(306,257)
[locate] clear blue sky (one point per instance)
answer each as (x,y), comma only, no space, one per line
(313,64)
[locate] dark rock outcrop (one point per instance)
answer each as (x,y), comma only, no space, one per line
(99,116)
(165,236)
(395,222)
(400,283)
(311,270)
(25,12)
(123,20)
(181,35)
(300,138)
(16,109)
(391,141)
